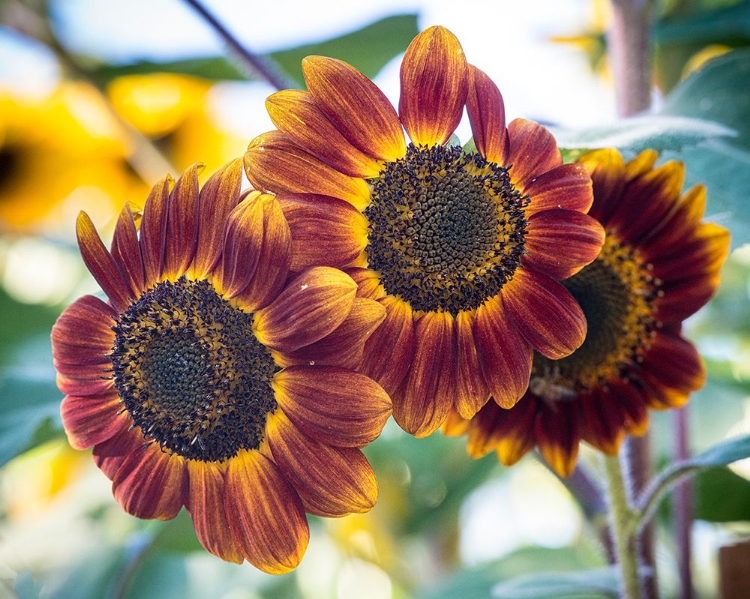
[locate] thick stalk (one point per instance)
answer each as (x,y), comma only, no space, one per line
(622,529)
(683,506)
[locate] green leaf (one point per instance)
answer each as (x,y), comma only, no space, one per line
(726,452)
(638,133)
(725,25)
(722,496)
(601,582)
(29,409)
(369,49)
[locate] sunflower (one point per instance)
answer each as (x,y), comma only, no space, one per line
(659,264)
(463,247)
(213,380)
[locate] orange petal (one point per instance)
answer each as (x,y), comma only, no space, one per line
(274,163)
(126,252)
(607,170)
(92,419)
(513,429)
(344,346)
(454,425)
(331,481)
(153,230)
(533,151)
(311,306)
(545,313)
(472,391)
(182,225)
(265,514)
(559,243)
(679,225)
(243,241)
(356,107)
(274,258)
(205,503)
(558,437)
(333,405)
(395,339)
(151,483)
(429,390)
(325,231)
(434,85)
(101,264)
(567,186)
(486,109)
(297,115)
(503,352)
(219,196)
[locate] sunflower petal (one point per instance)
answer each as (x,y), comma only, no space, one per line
(295,113)
(151,483)
(559,243)
(109,455)
(533,151)
(602,421)
(126,252)
(325,231)
(558,437)
(265,514)
(331,481)
(311,306)
(434,85)
(83,333)
(332,405)
(243,241)
(504,354)
(92,419)
(513,429)
(154,229)
(182,224)
(356,107)
(567,186)
(274,163)
(472,391)
(674,368)
(219,196)
(486,109)
(545,313)
(101,264)
(422,403)
(205,503)
(607,170)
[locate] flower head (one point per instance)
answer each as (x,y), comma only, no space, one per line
(659,264)
(462,247)
(211,379)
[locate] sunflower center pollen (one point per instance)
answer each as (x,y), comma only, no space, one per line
(616,293)
(191,373)
(446,228)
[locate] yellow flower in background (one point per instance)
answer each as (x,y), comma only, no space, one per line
(178,113)
(58,155)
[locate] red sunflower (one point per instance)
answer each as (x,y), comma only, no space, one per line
(463,247)
(212,380)
(659,264)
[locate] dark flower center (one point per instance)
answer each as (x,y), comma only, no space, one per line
(446,228)
(191,373)
(616,293)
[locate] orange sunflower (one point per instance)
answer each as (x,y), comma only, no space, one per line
(659,264)
(463,247)
(212,380)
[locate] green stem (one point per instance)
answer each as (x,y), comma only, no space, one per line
(621,522)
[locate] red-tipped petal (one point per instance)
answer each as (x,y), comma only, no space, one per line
(545,313)
(421,405)
(274,163)
(243,241)
(504,354)
(325,231)
(101,264)
(558,437)
(331,481)
(486,109)
(567,186)
(92,419)
(218,197)
(126,252)
(513,430)
(559,243)
(83,333)
(182,224)
(154,229)
(472,391)
(533,151)
(607,170)
(434,85)
(265,514)
(356,106)
(333,405)
(151,483)
(311,306)
(205,503)
(297,115)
